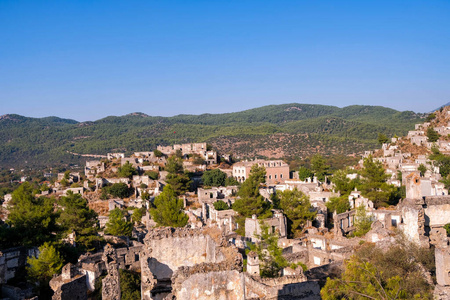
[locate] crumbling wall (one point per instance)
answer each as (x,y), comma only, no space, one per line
(212,285)
(173,249)
(437,210)
(291,287)
(413,224)
(12,259)
(222,280)
(70,285)
(111,283)
(168,249)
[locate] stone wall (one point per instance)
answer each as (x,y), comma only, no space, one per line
(167,250)
(70,285)
(286,287)
(12,259)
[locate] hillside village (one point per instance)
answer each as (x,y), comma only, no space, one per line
(191,223)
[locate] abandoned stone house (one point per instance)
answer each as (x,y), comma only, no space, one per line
(276,224)
(77,190)
(101,182)
(73,177)
(197,148)
(215,193)
(111,156)
(277,171)
(93,167)
(356,200)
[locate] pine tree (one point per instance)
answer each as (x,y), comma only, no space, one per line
(118,224)
(169,209)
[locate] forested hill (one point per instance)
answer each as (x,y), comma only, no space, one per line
(271,131)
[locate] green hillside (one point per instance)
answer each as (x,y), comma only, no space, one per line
(288,130)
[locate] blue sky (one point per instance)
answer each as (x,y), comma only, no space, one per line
(89,59)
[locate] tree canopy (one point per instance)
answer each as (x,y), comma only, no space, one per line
(432,135)
(373,273)
(76,216)
(169,209)
(250,202)
(382,138)
(48,263)
(32,219)
(118,224)
(373,183)
(127,170)
(214,178)
(269,253)
(319,166)
(220,205)
(304,173)
(295,204)
(177,178)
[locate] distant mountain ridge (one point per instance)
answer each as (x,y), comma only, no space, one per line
(446,104)
(273,131)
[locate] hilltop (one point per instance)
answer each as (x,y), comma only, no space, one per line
(286,130)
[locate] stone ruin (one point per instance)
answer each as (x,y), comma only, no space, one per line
(171,255)
(187,263)
(111,283)
(70,285)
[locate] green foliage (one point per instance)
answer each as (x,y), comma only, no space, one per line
(49,262)
(250,187)
(304,173)
(338,204)
(250,202)
(158,153)
(64,182)
(178,153)
(220,205)
(118,224)
(361,280)
(45,188)
(231,181)
(137,215)
(214,178)
(174,164)
(130,285)
(447,228)
(44,141)
(375,272)
(430,117)
(145,196)
(295,204)
(152,174)
(269,253)
(432,135)
(119,190)
(299,264)
(169,209)
(363,221)
(319,166)
(180,182)
(442,161)
(422,169)
(32,219)
(373,183)
(127,170)
(76,216)
(198,160)
(343,184)
(382,138)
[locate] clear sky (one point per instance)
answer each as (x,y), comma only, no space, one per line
(85,60)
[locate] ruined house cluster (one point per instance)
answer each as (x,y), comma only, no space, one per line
(204,260)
